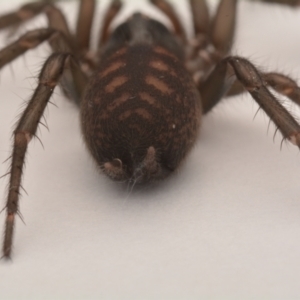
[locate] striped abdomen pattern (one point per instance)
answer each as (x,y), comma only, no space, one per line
(141,111)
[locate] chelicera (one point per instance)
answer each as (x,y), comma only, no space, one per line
(143,92)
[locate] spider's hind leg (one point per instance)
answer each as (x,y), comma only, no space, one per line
(280,83)
(26,128)
(284,85)
(237,68)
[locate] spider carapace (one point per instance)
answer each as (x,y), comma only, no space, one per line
(140,114)
(142,92)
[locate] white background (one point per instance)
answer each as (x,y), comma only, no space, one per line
(227,226)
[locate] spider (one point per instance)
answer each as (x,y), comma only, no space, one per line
(142,94)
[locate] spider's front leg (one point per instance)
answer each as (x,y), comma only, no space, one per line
(235,68)
(26,129)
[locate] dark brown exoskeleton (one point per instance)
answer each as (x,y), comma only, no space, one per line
(141,112)
(143,92)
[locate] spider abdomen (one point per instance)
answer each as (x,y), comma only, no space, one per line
(141,112)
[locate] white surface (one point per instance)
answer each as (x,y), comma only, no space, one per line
(227,226)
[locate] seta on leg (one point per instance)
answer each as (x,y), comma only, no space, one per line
(236,68)
(26,128)
(58,43)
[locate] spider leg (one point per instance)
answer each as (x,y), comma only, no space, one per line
(26,128)
(282,84)
(213,39)
(30,40)
(168,10)
(25,12)
(200,16)
(55,17)
(223,26)
(57,41)
(112,11)
(284,2)
(232,68)
(84,24)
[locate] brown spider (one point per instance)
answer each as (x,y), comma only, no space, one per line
(141,96)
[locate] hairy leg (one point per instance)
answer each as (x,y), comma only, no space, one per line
(32,39)
(237,68)
(49,77)
(280,83)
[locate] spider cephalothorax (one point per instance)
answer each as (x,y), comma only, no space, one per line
(143,92)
